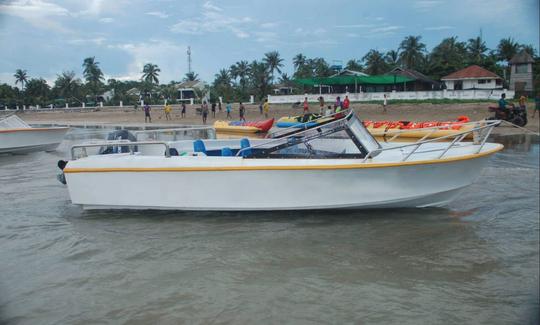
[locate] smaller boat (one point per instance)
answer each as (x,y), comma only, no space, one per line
(244,127)
(16,136)
(427,130)
(306,120)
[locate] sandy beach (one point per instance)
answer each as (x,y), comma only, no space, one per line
(409,112)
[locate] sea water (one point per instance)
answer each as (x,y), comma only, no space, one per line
(476,261)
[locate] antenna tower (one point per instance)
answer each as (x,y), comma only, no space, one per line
(189,58)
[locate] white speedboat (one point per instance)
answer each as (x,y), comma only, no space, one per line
(335,164)
(18,137)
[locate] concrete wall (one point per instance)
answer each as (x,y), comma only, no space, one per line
(402,95)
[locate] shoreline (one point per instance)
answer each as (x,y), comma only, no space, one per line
(408,112)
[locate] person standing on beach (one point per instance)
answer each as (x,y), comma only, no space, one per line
(337,104)
(147,117)
(204,112)
(228,108)
(183,110)
(522,102)
(536,105)
(242,112)
(306,106)
(346,102)
(167,109)
(214,109)
(384,103)
(261,108)
(219,105)
(321,105)
(266,108)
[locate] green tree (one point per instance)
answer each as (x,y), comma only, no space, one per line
(354,65)
(67,86)
(259,78)
(299,60)
(476,50)
(529,49)
(222,83)
(21,77)
(412,52)
(374,63)
(392,58)
(507,48)
(447,57)
(37,91)
(93,75)
(150,73)
(240,70)
(273,62)
(191,76)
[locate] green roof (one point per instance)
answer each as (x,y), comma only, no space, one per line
(350,80)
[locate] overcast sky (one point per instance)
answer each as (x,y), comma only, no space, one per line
(46,37)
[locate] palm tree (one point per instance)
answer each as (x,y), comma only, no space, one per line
(447,57)
(67,84)
(392,58)
(507,48)
(21,77)
(476,48)
(150,73)
(284,79)
(259,78)
(222,78)
(191,76)
(38,91)
(93,74)
(412,52)
(529,49)
(240,70)
(353,65)
(273,62)
(374,62)
(299,60)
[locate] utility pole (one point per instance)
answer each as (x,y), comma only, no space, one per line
(189,58)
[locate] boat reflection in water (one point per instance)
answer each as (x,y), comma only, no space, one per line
(333,164)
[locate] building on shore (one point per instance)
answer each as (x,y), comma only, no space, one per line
(472,77)
(188,89)
(521,73)
(419,81)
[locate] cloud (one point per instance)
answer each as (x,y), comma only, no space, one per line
(87,41)
(385,29)
(213,21)
(164,53)
(426,5)
(270,25)
(209,6)
(106,20)
(158,14)
(355,26)
(439,27)
(40,14)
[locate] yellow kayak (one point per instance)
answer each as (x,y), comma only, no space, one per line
(417,133)
(224,126)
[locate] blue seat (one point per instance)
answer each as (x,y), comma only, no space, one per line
(198,146)
(244,143)
(226,152)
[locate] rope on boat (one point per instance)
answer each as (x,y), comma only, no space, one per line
(520,127)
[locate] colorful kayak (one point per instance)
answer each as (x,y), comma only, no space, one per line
(307,120)
(430,130)
(244,127)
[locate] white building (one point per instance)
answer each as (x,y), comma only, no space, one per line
(472,77)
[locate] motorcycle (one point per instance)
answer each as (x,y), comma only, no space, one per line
(513,114)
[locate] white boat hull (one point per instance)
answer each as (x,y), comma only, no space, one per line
(278,188)
(30,139)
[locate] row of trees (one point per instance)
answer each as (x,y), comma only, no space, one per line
(244,78)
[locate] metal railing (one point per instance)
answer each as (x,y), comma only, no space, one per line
(176,131)
(117,143)
(486,126)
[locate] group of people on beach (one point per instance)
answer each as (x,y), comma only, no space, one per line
(207,109)
(338,106)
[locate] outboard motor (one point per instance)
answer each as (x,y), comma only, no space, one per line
(61,177)
(118,135)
